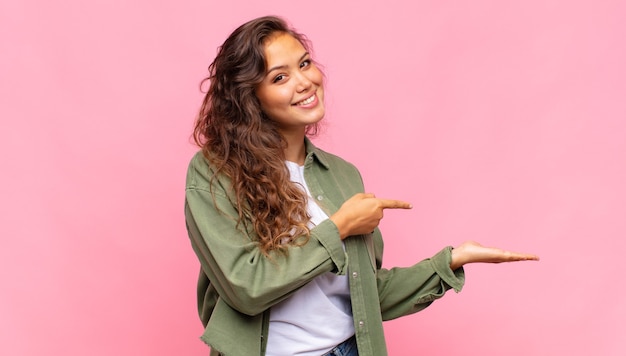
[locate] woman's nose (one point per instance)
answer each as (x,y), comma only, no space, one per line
(304,83)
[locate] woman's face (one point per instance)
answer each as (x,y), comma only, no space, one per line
(292,92)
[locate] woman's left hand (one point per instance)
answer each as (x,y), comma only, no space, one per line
(473,252)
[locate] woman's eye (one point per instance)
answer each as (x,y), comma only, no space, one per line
(278,78)
(305,63)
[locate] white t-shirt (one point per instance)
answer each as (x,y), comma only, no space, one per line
(318,316)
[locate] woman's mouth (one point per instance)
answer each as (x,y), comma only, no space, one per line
(306,101)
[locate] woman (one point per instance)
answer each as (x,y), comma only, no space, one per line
(287,239)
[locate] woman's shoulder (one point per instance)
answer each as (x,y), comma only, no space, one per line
(200,172)
(199,160)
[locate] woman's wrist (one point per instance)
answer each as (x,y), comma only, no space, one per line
(339,223)
(456,260)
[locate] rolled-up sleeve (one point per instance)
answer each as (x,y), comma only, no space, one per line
(408,290)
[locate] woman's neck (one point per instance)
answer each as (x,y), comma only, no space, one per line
(295,151)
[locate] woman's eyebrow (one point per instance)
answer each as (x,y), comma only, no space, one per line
(283,66)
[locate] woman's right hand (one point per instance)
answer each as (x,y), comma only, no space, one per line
(362,213)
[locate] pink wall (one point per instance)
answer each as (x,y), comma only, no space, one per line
(501,121)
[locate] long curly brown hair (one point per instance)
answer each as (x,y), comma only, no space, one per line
(245,145)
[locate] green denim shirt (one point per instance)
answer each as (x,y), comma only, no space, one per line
(237,285)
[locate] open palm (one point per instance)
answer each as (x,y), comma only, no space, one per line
(473,252)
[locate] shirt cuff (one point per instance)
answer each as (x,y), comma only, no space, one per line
(327,234)
(441,264)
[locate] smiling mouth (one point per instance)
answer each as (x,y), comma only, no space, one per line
(306,101)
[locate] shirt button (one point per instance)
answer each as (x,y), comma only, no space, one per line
(355,274)
(319,197)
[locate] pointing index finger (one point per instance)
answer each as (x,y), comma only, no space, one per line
(395,204)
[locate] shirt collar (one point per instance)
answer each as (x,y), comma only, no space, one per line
(315,153)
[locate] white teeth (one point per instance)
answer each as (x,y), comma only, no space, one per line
(307,101)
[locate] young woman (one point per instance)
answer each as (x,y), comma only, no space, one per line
(286,236)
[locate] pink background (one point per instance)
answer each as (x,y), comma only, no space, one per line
(502,122)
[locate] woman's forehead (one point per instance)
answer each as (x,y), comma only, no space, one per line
(282,47)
